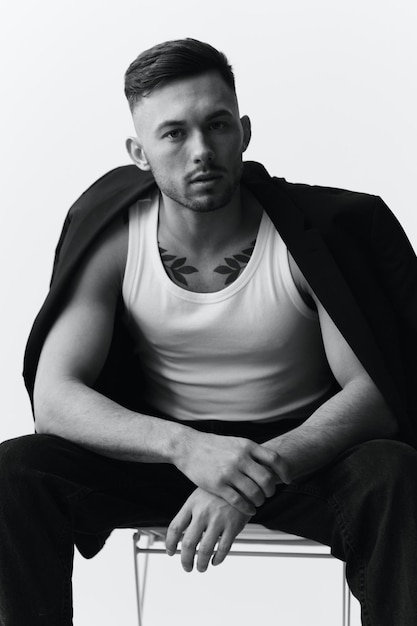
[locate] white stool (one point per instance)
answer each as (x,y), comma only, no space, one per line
(254,540)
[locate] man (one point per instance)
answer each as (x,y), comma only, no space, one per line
(217,347)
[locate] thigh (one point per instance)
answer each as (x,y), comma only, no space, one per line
(101,493)
(342,505)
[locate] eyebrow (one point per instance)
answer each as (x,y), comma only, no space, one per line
(218,113)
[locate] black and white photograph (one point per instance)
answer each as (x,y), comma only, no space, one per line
(209,319)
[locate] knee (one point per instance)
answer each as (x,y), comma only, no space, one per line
(388,464)
(23,455)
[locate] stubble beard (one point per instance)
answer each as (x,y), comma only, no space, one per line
(206,204)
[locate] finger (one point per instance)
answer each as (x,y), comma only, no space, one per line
(176,529)
(206,549)
(235,499)
(270,458)
(249,490)
(262,476)
(192,537)
(223,549)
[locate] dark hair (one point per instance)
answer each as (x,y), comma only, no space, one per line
(172,60)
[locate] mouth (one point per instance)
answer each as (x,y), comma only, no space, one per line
(204,179)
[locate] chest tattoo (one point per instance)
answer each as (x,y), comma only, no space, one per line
(177,268)
(235,264)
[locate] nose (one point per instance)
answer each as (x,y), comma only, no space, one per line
(201,150)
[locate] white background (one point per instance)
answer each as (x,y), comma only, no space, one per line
(330,87)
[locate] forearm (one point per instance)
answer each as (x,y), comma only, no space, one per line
(357,413)
(236,469)
(80,414)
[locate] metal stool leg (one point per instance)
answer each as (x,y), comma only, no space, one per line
(346,599)
(141,588)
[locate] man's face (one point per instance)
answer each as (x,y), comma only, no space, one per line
(190,136)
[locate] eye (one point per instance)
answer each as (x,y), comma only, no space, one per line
(175,133)
(218,125)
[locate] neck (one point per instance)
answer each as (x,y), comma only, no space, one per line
(208,231)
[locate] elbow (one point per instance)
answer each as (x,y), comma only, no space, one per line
(54,396)
(54,406)
(382,414)
(43,427)
(46,411)
(42,412)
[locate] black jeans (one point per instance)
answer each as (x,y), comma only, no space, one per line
(53,492)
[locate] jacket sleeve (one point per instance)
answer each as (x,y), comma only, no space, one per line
(396,265)
(395,261)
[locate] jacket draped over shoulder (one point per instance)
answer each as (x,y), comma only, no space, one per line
(350,247)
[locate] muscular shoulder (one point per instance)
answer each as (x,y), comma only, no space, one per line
(102,270)
(78,341)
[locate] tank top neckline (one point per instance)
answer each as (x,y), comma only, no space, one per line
(212,296)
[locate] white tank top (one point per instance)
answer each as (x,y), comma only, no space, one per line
(252,351)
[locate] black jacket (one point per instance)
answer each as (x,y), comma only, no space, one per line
(349,246)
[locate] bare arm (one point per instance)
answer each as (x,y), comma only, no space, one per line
(236,469)
(356,414)
(72,357)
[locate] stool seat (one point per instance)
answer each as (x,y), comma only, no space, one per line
(253,540)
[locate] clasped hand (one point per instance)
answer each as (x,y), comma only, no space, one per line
(239,471)
(204,520)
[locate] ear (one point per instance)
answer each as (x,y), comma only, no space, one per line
(137,153)
(247,131)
